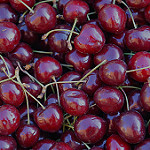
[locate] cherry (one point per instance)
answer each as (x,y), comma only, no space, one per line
(130,126)
(147,13)
(90,40)
(61,4)
(108,52)
(11,93)
(7,143)
(9,119)
(60,146)
(144,145)
(4,1)
(113,72)
(43,144)
(74,102)
(46,68)
(96,148)
(18,6)
(115,142)
(7,13)
(9,36)
(90,128)
(50,119)
(112,18)
(9,66)
(51,99)
(138,39)
(27,135)
(140,60)
(42,20)
(80,61)
(76,9)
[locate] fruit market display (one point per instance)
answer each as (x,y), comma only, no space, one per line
(74,74)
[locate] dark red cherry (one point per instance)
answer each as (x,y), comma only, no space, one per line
(138,39)
(7,13)
(46,68)
(90,40)
(43,144)
(4,1)
(81,62)
(60,146)
(76,9)
(11,93)
(70,138)
(17,5)
(27,135)
(147,13)
(113,72)
(140,60)
(96,148)
(42,20)
(144,145)
(68,76)
(114,142)
(90,128)
(61,4)
(112,18)
(9,36)
(50,119)
(9,119)
(110,100)
(51,99)
(74,102)
(130,126)
(59,56)
(22,53)
(7,143)
(108,52)
(137,4)
(10,67)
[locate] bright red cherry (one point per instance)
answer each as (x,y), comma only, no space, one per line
(112,18)
(9,119)
(60,146)
(9,36)
(144,145)
(90,128)
(51,99)
(147,13)
(90,40)
(42,20)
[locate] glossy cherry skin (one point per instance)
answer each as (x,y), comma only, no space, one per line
(11,93)
(50,119)
(7,13)
(81,62)
(69,76)
(110,100)
(130,126)
(43,144)
(112,18)
(90,40)
(42,20)
(9,119)
(7,143)
(114,142)
(27,135)
(76,9)
(74,102)
(21,53)
(70,138)
(9,36)
(147,13)
(46,68)
(144,145)
(108,52)
(90,128)
(113,72)
(51,99)
(140,60)
(18,6)
(10,67)
(60,146)
(61,4)
(138,39)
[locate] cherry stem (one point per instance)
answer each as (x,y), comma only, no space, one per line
(135,26)
(70,35)
(113,1)
(46,1)
(52,89)
(129,54)
(31,10)
(147,123)
(22,17)
(91,13)
(92,105)
(131,87)
(51,31)
(67,65)
(42,52)
(7,79)
(128,71)
(126,98)
(88,18)
(86,145)
(103,62)
(59,16)
(69,126)
(27,103)
(67,117)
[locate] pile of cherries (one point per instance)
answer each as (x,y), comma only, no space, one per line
(75,74)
